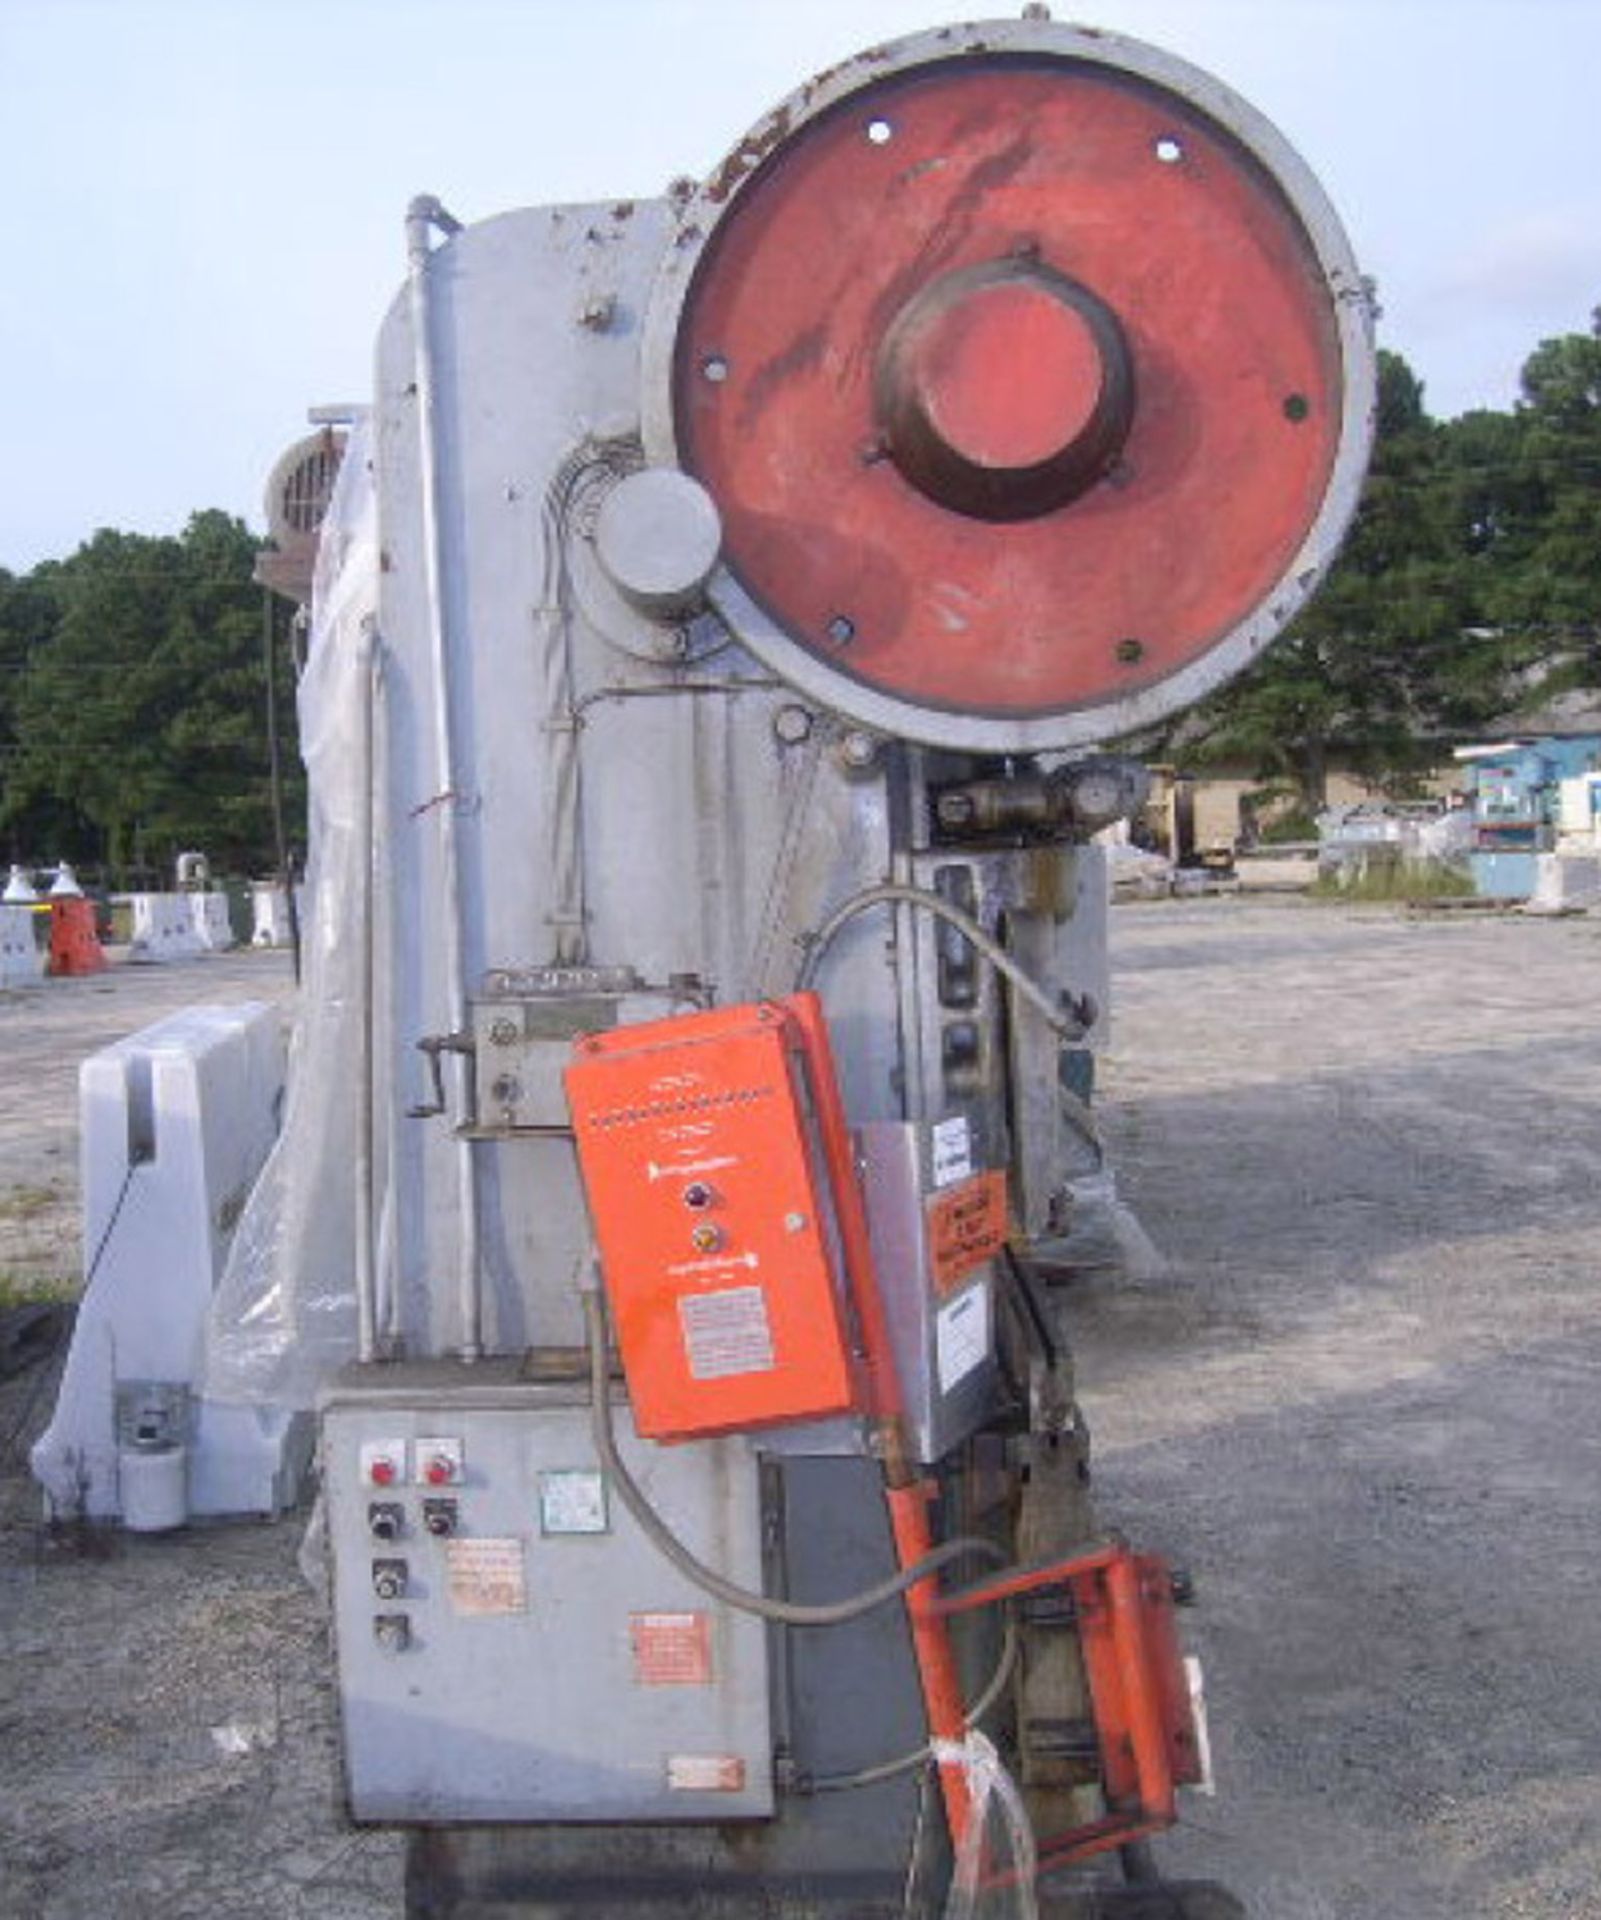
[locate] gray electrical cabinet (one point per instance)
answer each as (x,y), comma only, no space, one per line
(511,1646)
(935,1224)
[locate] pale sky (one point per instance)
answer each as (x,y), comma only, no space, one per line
(204,197)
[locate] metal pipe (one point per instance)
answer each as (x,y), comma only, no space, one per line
(424,215)
(269,658)
(366,1093)
(385,1021)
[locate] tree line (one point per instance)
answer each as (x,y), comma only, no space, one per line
(133,675)
(133,682)
(1469,587)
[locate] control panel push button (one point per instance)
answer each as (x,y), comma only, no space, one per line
(389,1579)
(440,1518)
(440,1463)
(392,1631)
(386,1519)
(383,1463)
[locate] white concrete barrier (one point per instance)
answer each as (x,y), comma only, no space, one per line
(176,1124)
(163,927)
(212,927)
(21,957)
(1565,883)
(269,907)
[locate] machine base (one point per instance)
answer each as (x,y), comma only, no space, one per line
(502,1873)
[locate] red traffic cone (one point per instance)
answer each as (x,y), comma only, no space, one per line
(74,947)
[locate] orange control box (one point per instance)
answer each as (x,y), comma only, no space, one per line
(710,1198)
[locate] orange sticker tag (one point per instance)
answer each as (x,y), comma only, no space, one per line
(671,1649)
(966,1227)
(705,1773)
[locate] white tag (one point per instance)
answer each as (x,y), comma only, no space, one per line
(953,1151)
(572,1500)
(962,1336)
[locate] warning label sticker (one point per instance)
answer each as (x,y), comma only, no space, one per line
(726,1333)
(962,1336)
(966,1226)
(486,1576)
(671,1649)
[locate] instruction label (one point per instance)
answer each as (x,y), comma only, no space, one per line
(962,1336)
(486,1576)
(726,1333)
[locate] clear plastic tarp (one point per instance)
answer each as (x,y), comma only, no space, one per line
(995,1862)
(283,1318)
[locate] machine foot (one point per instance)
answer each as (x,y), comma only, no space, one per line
(1167,1900)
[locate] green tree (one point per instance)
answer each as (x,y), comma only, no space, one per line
(1555,585)
(30,611)
(1355,675)
(1471,578)
(138,717)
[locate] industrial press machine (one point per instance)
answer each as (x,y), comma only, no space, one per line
(723,611)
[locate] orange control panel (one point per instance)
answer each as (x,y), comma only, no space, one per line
(711,1206)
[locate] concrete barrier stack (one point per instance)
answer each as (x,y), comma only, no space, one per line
(1566,883)
(270,914)
(163,927)
(212,927)
(21,961)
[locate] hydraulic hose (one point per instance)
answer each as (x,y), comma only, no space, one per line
(790,1613)
(1070,1023)
(906,1762)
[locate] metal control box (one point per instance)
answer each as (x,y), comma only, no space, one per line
(523,1029)
(511,1647)
(705,1175)
(938,1219)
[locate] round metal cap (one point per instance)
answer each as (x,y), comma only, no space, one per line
(1004,390)
(657,537)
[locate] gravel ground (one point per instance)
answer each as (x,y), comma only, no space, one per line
(167,1740)
(1361,1403)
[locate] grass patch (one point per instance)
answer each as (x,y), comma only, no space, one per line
(1398,881)
(26,1203)
(30,1289)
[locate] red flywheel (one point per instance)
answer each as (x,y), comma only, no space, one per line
(1031,375)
